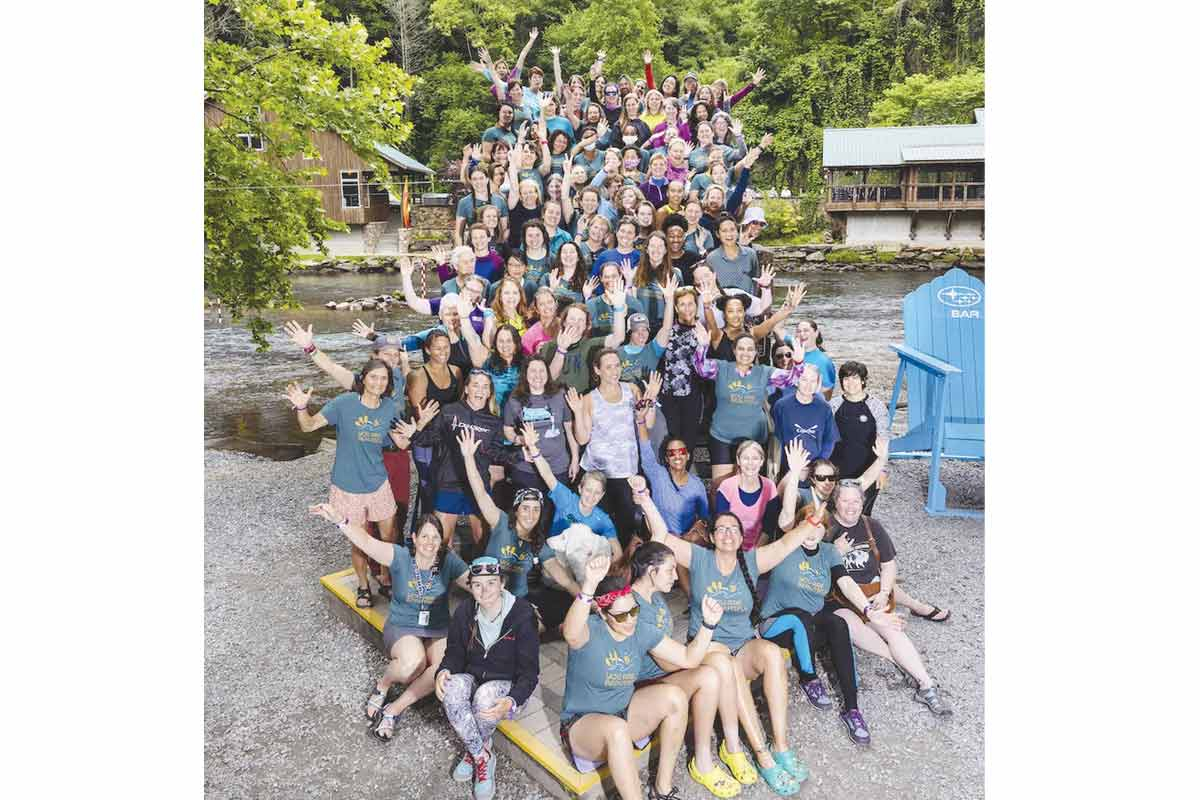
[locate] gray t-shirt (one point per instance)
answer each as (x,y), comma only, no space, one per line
(739,413)
(601,674)
(737,272)
(655,614)
(547,414)
(801,580)
(730,591)
(416,591)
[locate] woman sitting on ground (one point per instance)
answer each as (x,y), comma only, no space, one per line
(870,559)
(604,715)
(489,671)
(359,487)
(729,575)
(414,636)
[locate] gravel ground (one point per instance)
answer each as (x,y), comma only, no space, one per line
(285,681)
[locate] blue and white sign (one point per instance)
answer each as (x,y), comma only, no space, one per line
(959,296)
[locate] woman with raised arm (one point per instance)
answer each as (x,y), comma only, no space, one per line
(414,636)
(545,326)
(570,353)
(809,348)
(601,308)
(654,271)
(503,362)
(604,715)
(679,495)
(624,251)
(541,402)
(481,195)
(477,411)
(489,671)
(508,308)
(524,200)
(359,487)
(682,400)
(729,575)
(725,314)
(567,278)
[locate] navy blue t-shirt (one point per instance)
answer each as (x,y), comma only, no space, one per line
(812,423)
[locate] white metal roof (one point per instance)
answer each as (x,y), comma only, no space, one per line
(891,147)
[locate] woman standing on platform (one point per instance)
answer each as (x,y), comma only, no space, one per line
(359,487)
(414,636)
(604,715)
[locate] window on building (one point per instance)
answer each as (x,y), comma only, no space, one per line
(376,194)
(351,196)
(251,141)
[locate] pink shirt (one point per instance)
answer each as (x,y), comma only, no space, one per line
(751,516)
(534,338)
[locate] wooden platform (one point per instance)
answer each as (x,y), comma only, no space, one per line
(532,739)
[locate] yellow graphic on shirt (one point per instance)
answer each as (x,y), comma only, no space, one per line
(726,594)
(620,669)
(373,433)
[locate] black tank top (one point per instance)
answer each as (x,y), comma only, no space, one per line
(445,396)
(724,349)
(856,425)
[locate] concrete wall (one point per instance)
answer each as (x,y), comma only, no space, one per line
(871,227)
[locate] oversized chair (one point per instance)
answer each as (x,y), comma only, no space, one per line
(942,357)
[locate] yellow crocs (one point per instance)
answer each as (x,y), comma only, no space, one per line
(739,765)
(715,780)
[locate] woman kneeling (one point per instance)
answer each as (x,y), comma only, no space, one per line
(489,671)
(603,715)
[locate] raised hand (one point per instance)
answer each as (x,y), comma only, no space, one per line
(600,55)
(653,385)
(466,151)
(700,332)
(647,56)
(427,412)
(712,610)
(794,296)
(797,456)
(529,435)
(406,267)
(404,429)
(766,141)
(601,127)
(303,337)
(362,329)
(554,51)
(669,288)
(467,442)
(483,56)
(616,296)
(736,127)
(570,334)
(533,34)
(688,147)
(477,152)
(554,279)
(589,286)
(326,512)
(594,571)
(708,295)
(766,278)
(759,76)
(440,253)
(297,396)
(575,401)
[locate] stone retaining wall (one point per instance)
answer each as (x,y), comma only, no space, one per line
(834,257)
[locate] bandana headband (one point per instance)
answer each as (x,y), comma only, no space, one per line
(608,598)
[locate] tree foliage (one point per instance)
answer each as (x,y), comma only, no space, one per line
(622,28)
(278,70)
(924,100)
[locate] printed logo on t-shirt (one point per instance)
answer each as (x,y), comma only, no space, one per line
(802,431)
(726,594)
(369,430)
(857,558)
(619,669)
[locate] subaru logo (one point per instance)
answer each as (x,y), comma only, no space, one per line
(959,296)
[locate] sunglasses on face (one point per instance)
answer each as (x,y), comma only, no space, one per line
(678,451)
(781,356)
(824,478)
(632,613)
(611,91)
(485,569)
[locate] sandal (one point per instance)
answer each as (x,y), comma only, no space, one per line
(364,597)
(932,615)
(386,727)
(385,591)
(375,703)
(780,780)
(718,783)
(739,766)
(787,759)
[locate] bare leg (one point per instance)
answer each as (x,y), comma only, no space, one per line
(769,661)
(448,522)
(748,713)
(864,637)
(422,683)
(476,530)
(407,661)
(387,532)
(358,559)
(904,652)
(703,687)
(727,700)
(664,707)
(603,736)
(914,605)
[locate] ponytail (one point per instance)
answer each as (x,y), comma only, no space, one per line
(755,607)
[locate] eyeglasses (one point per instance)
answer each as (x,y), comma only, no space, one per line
(485,569)
(726,529)
(823,478)
(632,613)
(678,451)
(611,91)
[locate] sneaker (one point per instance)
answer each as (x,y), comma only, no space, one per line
(856,727)
(485,776)
(931,698)
(654,794)
(814,690)
(465,769)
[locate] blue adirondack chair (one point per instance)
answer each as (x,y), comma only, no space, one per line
(942,357)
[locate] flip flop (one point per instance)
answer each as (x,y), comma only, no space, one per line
(930,616)
(364,597)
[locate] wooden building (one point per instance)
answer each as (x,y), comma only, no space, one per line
(921,184)
(348,193)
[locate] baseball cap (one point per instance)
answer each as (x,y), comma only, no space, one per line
(384,342)
(638,318)
(754,214)
(693,76)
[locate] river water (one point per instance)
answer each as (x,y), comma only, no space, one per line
(244,408)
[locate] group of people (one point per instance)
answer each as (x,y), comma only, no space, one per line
(587,297)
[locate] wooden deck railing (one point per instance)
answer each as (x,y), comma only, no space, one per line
(905,195)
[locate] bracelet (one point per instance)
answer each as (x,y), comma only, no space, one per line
(308,351)
(536,456)
(559,350)
(299,408)
(870,606)
(704,622)
(587,598)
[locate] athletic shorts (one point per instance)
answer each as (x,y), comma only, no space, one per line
(374,506)
(579,762)
(454,503)
(393,633)
(724,452)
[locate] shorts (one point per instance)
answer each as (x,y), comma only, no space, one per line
(399,472)
(582,764)
(374,506)
(393,633)
(454,503)
(724,452)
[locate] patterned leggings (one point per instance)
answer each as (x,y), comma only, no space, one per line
(464,702)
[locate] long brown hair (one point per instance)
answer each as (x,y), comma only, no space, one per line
(646,273)
(498,307)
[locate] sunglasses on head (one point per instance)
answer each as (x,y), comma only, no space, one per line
(632,613)
(831,476)
(849,482)
(485,569)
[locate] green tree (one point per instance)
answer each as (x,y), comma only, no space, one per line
(622,28)
(277,70)
(450,107)
(924,100)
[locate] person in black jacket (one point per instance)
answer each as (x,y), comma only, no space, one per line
(489,671)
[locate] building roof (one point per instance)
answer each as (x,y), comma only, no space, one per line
(895,147)
(394,156)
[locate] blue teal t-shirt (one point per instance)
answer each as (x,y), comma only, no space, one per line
(739,413)
(825,364)
(636,365)
(730,591)
(600,310)
(601,674)
(514,554)
(655,614)
(801,580)
(468,205)
(361,435)
(415,590)
(567,513)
